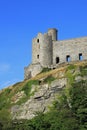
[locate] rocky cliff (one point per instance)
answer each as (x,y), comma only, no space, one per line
(24,99)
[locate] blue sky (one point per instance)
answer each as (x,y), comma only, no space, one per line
(21,20)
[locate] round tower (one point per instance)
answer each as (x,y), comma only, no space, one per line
(53,32)
(46,50)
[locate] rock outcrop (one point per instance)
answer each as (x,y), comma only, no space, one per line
(43,97)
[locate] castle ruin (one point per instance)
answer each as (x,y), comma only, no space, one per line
(48,52)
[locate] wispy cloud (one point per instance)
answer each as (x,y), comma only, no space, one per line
(4,84)
(8,83)
(4,67)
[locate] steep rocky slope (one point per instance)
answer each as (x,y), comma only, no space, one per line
(24,99)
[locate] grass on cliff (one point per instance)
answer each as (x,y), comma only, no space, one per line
(64,115)
(7,94)
(70,74)
(5,98)
(27,90)
(49,79)
(26,86)
(83,70)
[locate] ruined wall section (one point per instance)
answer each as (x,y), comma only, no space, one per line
(36,49)
(32,70)
(71,48)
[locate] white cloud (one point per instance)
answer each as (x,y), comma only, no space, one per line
(4,67)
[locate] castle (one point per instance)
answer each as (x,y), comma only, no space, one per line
(47,51)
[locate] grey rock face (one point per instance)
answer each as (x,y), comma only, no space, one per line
(32,70)
(42,99)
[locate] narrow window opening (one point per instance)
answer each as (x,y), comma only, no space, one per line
(80,56)
(68,59)
(37,56)
(57,60)
(38,40)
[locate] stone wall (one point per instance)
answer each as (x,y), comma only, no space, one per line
(71,48)
(36,49)
(32,70)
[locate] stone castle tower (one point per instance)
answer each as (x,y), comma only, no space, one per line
(42,48)
(47,51)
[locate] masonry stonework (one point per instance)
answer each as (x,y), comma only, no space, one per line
(47,51)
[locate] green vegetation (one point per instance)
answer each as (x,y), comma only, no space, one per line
(7,95)
(70,74)
(79,103)
(69,110)
(4,98)
(27,87)
(83,70)
(63,115)
(71,67)
(49,79)
(27,90)
(5,115)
